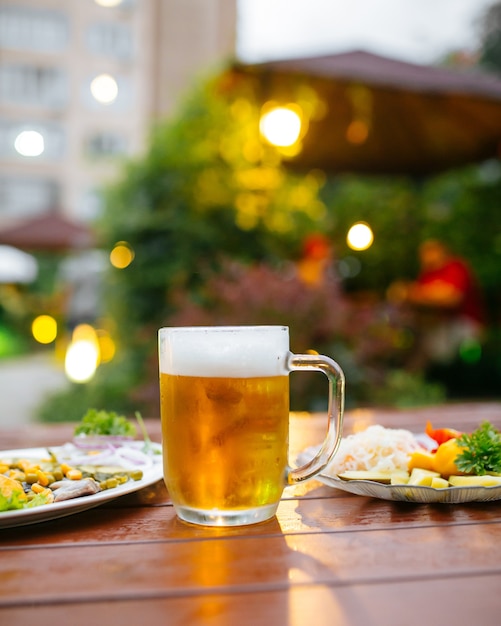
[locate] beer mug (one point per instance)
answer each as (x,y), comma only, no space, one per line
(224,395)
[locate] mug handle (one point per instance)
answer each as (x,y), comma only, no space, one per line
(335,412)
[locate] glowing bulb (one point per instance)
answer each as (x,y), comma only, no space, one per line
(44,329)
(104,88)
(281,126)
(360,236)
(29,143)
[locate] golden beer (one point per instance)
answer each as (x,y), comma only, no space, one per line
(225,440)
(224,394)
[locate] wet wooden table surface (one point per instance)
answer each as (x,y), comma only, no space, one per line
(327,558)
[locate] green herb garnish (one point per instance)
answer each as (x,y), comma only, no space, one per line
(482,451)
(147,448)
(105,423)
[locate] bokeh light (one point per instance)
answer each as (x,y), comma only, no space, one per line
(108,3)
(360,236)
(29,143)
(107,347)
(470,351)
(44,329)
(122,255)
(84,332)
(357,132)
(349,267)
(281,126)
(104,88)
(83,354)
(81,361)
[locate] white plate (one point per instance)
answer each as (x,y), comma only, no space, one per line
(406,493)
(46,512)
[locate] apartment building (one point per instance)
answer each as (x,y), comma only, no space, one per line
(81,82)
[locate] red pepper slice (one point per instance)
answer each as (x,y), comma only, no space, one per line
(441,435)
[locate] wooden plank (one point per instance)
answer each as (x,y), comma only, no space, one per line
(79,573)
(462,602)
(295,516)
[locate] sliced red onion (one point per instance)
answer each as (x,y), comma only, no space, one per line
(135,456)
(94,442)
(125,454)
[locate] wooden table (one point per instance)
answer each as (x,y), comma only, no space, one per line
(327,558)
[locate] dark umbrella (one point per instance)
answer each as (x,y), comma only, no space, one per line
(383,116)
(49,232)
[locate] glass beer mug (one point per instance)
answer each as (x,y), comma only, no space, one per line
(224,394)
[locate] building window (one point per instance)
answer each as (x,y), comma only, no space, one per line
(28,85)
(110,40)
(90,205)
(107,144)
(27,28)
(27,196)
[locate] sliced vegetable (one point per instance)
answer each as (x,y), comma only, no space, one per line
(445,458)
(376,476)
(422,477)
(475,481)
(148,447)
(399,478)
(422,459)
(439,483)
(10,488)
(441,435)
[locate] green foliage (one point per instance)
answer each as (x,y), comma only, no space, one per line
(393,209)
(459,207)
(405,389)
(490,50)
(208,189)
(111,391)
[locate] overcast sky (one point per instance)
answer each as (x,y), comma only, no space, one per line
(419,31)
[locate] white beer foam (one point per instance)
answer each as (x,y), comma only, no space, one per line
(224,351)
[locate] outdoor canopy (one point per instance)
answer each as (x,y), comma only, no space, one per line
(383,116)
(50,231)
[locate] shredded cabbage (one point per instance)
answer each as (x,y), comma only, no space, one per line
(376,448)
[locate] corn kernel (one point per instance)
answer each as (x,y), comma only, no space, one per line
(65,468)
(42,478)
(74,474)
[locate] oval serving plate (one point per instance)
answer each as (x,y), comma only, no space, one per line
(46,512)
(406,493)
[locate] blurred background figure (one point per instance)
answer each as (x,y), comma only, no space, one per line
(448,304)
(316,262)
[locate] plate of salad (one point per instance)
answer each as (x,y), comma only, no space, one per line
(436,466)
(103,461)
